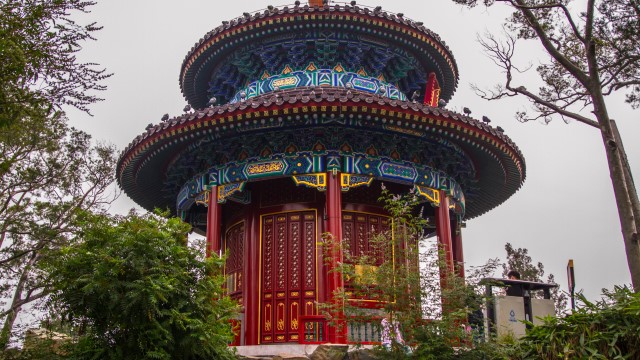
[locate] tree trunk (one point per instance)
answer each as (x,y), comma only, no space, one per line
(5,335)
(622,191)
(613,147)
(626,168)
(7,328)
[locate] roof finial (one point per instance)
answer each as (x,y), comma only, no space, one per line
(319,3)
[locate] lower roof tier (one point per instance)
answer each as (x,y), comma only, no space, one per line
(304,129)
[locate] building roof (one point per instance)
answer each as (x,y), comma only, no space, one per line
(498,165)
(382,44)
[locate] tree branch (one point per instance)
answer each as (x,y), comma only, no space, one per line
(548,45)
(567,15)
(538,100)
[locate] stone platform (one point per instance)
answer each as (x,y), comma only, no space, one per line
(302,352)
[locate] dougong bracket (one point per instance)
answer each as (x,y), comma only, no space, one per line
(432,195)
(227,191)
(348,181)
(316,181)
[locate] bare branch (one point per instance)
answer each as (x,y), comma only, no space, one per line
(501,54)
(554,107)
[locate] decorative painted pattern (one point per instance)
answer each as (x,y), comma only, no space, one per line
(265,168)
(319,77)
(479,139)
(348,181)
(294,255)
(227,190)
(357,169)
(287,22)
(432,195)
(316,181)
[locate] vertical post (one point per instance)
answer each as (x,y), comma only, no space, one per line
(458,255)
(443,230)
(251,284)
(336,334)
(432,91)
(213,223)
(572,284)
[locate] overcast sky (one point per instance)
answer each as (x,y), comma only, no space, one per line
(565,208)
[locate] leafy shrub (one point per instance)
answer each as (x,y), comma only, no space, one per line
(606,329)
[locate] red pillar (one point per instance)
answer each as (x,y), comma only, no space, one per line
(252,281)
(458,255)
(443,230)
(432,91)
(213,223)
(337,334)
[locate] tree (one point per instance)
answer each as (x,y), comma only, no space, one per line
(48,173)
(137,291)
(591,55)
(412,286)
(520,261)
(39,68)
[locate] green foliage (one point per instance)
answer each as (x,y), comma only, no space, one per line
(39,69)
(48,173)
(135,290)
(429,302)
(520,261)
(621,21)
(434,329)
(593,52)
(606,329)
(42,351)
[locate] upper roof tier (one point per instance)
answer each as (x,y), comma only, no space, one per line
(383,48)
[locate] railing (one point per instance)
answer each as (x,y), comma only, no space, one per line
(363,331)
(312,330)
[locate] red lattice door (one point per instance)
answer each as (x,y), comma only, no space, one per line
(358,231)
(288,274)
(234,267)
(234,248)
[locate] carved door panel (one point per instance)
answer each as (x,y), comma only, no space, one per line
(359,228)
(234,248)
(288,278)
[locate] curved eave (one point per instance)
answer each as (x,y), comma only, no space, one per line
(404,32)
(500,164)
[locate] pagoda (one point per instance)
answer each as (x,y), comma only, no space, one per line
(297,115)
